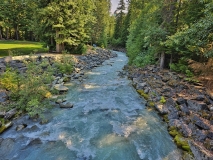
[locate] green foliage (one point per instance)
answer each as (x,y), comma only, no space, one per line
(10,80)
(144,95)
(162,100)
(65,64)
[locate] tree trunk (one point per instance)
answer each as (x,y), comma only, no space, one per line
(162,60)
(0,32)
(58,45)
(168,17)
(7,33)
(17,33)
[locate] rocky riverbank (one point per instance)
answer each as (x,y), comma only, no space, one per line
(187,107)
(81,64)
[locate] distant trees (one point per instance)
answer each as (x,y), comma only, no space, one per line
(169,32)
(62,25)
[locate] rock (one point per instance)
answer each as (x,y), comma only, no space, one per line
(173,115)
(2,114)
(10,113)
(34,128)
(185,130)
(35,141)
(184,109)
(200,153)
(175,123)
(61,88)
(210,135)
(20,127)
(200,98)
(162,109)
(180,101)
(200,123)
(199,135)
(5,127)
(170,104)
(196,106)
(67,105)
(140,85)
(58,101)
(3,96)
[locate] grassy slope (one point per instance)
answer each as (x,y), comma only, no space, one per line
(20,47)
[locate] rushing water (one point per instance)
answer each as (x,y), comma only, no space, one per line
(108,122)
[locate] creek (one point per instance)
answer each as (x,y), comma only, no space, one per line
(109,121)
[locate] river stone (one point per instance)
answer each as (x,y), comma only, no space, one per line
(34,128)
(61,88)
(2,114)
(180,101)
(200,123)
(66,105)
(210,135)
(10,113)
(3,96)
(35,141)
(200,153)
(184,109)
(196,106)
(162,109)
(20,127)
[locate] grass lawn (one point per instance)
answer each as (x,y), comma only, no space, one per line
(20,47)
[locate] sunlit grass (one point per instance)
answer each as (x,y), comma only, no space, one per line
(20,47)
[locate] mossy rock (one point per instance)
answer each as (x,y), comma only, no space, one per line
(182,143)
(173,133)
(150,104)
(165,118)
(144,95)
(2,129)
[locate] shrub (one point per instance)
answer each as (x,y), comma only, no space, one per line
(65,64)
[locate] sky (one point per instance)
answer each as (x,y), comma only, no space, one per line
(114,5)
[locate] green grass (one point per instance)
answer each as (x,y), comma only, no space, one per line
(20,47)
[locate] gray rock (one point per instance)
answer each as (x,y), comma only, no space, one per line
(200,98)
(2,114)
(196,106)
(170,103)
(200,153)
(200,123)
(184,109)
(66,105)
(20,127)
(140,85)
(162,109)
(3,96)
(10,113)
(35,141)
(181,100)
(173,115)
(210,135)
(61,88)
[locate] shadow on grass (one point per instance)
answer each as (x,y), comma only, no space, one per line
(21,51)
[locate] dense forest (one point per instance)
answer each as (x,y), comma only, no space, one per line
(168,32)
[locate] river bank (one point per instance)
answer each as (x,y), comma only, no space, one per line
(108,121)
(185,106)
(82,63)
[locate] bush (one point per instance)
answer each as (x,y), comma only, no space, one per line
(65,64)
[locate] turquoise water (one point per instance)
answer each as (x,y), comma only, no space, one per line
(109,121)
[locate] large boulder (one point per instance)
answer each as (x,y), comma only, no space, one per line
(61,88)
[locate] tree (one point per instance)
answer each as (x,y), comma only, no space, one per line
(100,32)
(68,20)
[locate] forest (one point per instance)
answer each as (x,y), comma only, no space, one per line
(168,33)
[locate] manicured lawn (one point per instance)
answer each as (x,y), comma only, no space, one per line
(20,47)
